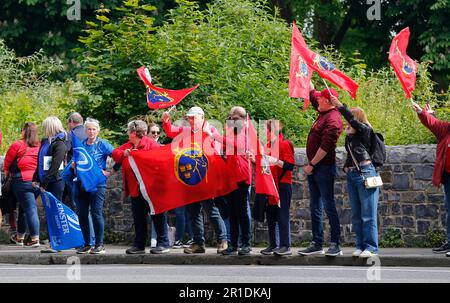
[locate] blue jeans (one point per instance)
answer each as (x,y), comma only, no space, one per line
(364,203)
(74,191)
(224,209)
(446,182)
(240,219)
(196,215)
(28,215)
(321,192)
(183,223)
(141,209)
(92,202)
(56,188)
(278,219)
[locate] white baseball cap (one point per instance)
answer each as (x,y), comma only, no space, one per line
(193,111)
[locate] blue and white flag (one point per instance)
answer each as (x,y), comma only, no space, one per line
(64,229)
(87,169)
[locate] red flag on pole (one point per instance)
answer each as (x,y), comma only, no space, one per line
(405,68)
(300,74)
(264,183)
(186,171)
(325,68)
(157,97)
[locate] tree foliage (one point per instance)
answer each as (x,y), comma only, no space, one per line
(26,94)
(238,51)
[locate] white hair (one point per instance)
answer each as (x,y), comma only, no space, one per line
(90,121)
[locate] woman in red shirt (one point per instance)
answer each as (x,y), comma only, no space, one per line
(441,174)
(280,154)
(21,162)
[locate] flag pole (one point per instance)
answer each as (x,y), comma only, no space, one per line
(327,86)
(246,147)
(171,108)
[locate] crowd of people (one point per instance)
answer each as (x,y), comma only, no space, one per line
(32,166)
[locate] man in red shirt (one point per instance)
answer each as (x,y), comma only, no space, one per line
(441,174)
(321,171)
(197,126)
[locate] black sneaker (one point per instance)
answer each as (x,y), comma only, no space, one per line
(313,249)
(84,250)
(334,250)
(445,248)
(98,250)
(283,251)
(49,250)
(230,251)
(178,244)
(159,250)
(134,251)
(188,243)
(245,251)
(269,250)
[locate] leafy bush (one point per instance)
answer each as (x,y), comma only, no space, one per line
(392,238)
(238,51)
(435,238)
(27,94)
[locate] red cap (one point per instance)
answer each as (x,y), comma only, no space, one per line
(326,94)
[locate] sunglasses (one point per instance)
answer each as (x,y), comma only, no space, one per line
(154,132)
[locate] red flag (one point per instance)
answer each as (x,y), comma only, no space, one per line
(157,97)
(300,74)
(264,183)
(183,172)
(323,67)
(405,68)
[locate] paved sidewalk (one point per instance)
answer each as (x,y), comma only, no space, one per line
(417,257)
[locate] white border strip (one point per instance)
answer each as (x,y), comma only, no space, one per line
(141,183)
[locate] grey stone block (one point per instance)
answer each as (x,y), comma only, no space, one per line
(424,172)
(423,226)
(407,210)
(408,222)
(401,181)
(426,211)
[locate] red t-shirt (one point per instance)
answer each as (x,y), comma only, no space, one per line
(27,159)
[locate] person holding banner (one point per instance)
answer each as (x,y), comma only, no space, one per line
(321,171)
(280,154)
(137,140)
(359,167)
(196,118)
(234,146)
(92,202)
(51,161)
(20,164)
(441,173)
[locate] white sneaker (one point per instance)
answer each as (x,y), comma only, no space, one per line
(448,254)
(357,253)
(367,254)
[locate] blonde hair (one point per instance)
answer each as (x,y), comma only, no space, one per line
(52,126)
(360,115)
(92,122)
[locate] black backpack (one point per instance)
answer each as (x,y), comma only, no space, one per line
(377,149)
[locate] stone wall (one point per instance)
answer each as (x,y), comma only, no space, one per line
(408,201)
